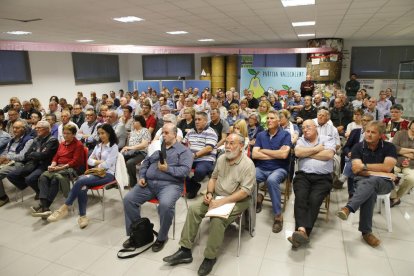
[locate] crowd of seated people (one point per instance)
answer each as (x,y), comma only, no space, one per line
(43,148)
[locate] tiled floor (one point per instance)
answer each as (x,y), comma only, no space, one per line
(30,246)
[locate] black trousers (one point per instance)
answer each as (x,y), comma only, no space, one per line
(310,191)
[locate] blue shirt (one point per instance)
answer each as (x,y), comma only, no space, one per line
(179,159)
(264,141)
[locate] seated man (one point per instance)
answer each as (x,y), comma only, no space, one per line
(404,142)
(88,131)
(168,118)
(313,180)
(13,157)
(202,141)
(271,153)
(67,162)
(161,181)
(65,117)
(118,127)
(233,178)
(38,158)
(396,122)
(373,161)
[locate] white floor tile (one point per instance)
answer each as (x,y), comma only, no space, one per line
(110,264)
(231,265)
(357,266)
(402,268)
(8,256)
(270,267)
(26,265)
(308,271)
(325,258)
(144,266)
(55,269)
(82,256)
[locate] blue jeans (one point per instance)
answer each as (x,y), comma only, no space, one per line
(167,195)
(273,180)
(80,189)
(365,196)
(201,170)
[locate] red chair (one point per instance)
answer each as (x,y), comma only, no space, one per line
(184,195)
(102,187)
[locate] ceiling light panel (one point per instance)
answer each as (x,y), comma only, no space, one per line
(303,23)
(128,19)
(294,3)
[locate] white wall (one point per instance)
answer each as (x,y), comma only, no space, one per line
(52,74)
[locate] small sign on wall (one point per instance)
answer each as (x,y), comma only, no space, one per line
(324,73)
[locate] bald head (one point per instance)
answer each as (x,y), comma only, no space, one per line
(169,134)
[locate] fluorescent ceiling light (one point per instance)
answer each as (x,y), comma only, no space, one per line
(293,3)
(128,19)
(206,39)
(19,33)
(84,40)
(302,35)
(303,23)
(177,32)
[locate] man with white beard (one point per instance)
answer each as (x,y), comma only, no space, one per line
(233,178)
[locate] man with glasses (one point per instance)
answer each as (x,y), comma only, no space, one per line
(313,180)
(51,119)
(89,130)
(373,110)
(202,141)
(65,121)
(383,104)
(396,122)
(150,120)
(14,116)
(118,127)
(78,116)
(14,155)
(37,158)
(233,178)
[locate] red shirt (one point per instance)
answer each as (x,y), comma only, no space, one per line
(151,122)
(71,154)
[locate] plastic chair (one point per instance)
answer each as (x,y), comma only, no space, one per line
(386,199)
(102,187)
(183,194)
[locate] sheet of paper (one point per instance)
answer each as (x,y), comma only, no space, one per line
(315,61)
(324,73)
(222,211)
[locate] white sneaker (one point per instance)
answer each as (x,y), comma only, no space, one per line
(58,214)
(83,222)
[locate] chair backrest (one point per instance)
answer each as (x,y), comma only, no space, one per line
(85,156)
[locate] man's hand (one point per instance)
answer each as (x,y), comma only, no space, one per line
(319,147)
(299,120)
(340,129)
(124,149)
(163,167)
(142,182)
(207,198)
(214,203)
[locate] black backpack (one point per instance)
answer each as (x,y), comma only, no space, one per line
(142,233)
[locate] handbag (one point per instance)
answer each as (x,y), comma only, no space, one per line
(100,172)
(142,233)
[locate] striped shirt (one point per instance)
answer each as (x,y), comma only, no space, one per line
(199,140)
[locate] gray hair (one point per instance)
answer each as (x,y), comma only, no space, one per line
(43,124)
(171,118)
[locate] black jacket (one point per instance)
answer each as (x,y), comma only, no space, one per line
(42,151)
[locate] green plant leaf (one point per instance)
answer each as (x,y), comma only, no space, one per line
(252,72)
(286,87)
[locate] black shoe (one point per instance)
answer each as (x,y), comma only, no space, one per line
(158,245)
(128,244)
(193,192)
(42,213)
(395,202)
(112,186)
(4,200)
(179,257)
(37,196)
(259,203)
(206,267)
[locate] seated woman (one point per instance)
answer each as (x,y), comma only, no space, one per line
(264,107)
(356,123)
(244,110)
(240,127)
(188,122)
(233,114)
(286,124)
(68,161)
(253,128)
(274,102)
(137,147)
(103,156)
(404,142)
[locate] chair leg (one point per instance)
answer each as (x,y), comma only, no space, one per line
(240,228)
(388,213)
(103,204)
(174,226)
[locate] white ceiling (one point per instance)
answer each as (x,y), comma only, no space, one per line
(229,22)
